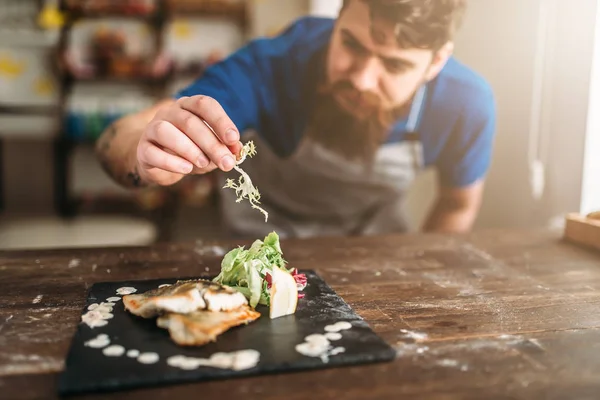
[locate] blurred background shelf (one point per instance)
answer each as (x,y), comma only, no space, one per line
(94,8)
(236,11)
(40,126)
(120,57)
(27,38)
(68,68)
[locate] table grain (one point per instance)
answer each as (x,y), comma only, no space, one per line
(505,314)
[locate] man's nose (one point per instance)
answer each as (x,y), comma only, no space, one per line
(365,75)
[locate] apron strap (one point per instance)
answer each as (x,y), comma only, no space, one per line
(414,116)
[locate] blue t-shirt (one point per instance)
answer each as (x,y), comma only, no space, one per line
(268,86)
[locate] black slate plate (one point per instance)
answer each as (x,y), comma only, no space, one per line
(89,370)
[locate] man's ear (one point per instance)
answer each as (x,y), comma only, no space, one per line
(440,58)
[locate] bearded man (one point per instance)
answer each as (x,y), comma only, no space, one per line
(344,112)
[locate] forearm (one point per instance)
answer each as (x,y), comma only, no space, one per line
(456,208)
(450,218)
(115,150)
(117,147)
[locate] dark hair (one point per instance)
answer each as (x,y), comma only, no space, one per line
(426,24)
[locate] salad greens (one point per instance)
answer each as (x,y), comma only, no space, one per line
(249,271)
(244,189)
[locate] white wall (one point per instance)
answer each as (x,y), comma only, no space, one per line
(568,114)
(325,8)
(271,16)
(501,40)
(591,179)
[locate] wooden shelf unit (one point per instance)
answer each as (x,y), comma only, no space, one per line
(66,204)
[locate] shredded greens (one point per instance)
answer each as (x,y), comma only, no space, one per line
(244,188)
(247,270)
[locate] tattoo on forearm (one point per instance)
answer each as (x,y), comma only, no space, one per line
(104,149)
(134,178)
(104,144)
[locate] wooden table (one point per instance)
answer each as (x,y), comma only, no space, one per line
(499,314)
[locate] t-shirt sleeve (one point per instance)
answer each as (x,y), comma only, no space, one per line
(236,84)
(243,82)
(468,153)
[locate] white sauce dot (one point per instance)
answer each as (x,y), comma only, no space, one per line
(104,307)
(114,351)
(192,363)
(113,299)
(314,337)
(344,325)
(98,342)
(94,319)
(333,336)
(133,353)
(175,361)
(97,323)
(238,361)
(245,359)
(338,326)
(126,290)
(148,358)
(317,345)
(317,339)
(221,360)
(312,349)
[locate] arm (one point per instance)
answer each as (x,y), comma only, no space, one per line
(116,147)
(199,130)
(455,209)
(463,165)
(162,144)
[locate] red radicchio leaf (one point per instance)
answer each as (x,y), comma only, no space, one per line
(269,280)
(300,279)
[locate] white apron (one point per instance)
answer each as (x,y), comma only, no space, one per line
(315,192)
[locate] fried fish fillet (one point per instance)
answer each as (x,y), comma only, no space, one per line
(184,297)
(201,327)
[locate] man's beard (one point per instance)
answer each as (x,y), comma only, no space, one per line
(355,138)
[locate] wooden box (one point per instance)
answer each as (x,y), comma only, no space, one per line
(583,229)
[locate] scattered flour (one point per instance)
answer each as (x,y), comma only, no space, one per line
(416,336)
(208,250)
(446,362)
